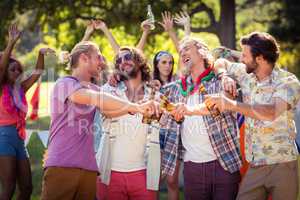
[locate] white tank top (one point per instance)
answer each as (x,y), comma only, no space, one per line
(195,137)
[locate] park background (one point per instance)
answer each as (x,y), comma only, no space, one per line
(60,24)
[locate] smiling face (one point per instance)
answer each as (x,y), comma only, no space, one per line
(192,54)
(14,70)
(165,65)
(126,64)
(95,62)
(248,60)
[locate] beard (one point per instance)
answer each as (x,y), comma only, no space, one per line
(187,68)
(129,74)
(251,67)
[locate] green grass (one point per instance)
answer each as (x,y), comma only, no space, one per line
(41,124)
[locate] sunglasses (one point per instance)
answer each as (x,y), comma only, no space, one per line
(125,57)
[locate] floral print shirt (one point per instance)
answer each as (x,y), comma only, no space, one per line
(269,142)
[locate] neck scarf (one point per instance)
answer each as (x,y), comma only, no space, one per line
(185,90)
(14,101)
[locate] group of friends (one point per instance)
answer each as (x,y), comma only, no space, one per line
(142,141)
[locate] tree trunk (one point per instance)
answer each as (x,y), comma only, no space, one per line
(226,26)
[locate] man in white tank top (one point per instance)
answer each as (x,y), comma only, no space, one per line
(128,135)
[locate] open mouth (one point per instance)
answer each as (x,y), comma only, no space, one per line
(186,60)
(99,68)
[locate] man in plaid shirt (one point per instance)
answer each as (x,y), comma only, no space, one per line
(208,144)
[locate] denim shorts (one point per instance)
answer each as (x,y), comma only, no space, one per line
(11,144)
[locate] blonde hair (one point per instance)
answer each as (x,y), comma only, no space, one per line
(72,58)
(200,44)
(202,48)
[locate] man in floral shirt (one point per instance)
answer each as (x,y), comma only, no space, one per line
(270,96)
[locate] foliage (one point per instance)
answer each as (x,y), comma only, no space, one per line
(60,24)
(285,27)
(279,18)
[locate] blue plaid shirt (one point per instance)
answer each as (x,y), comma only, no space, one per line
(223,132)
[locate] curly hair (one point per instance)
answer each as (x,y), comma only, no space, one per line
(11,60)
(140,61)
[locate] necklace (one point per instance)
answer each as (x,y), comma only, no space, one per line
(185,90)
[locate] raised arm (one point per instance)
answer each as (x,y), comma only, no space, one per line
(221,65)
(167,24)
(146,30)
(27,83)
(13,36)
(98,24)
(183,19)
(88,31)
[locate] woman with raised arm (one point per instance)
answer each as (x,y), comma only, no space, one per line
(71,156)
(14,162)
(100,25)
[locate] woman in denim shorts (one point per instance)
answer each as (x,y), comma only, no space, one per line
(14,162)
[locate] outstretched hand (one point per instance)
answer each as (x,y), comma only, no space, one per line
(13,34)
(99,24)
(218,101)
(146,25)
(167,21)
(150,108)
(181,110)
(182,18)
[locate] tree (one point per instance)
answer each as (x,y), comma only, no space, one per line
(285,27)
(53,13)
(280,19)
(224,28)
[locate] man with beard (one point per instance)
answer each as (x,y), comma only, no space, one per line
(128,136)
(270,96)
(211,157)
